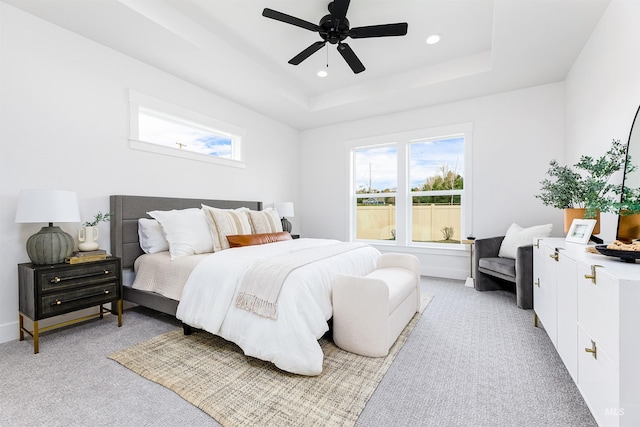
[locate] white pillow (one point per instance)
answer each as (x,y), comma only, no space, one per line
(151,236)
(517,236)
(226,222)
(186,231)
(265,221)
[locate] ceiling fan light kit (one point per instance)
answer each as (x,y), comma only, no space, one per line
(334,29)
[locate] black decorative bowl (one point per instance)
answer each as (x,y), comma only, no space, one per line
(626,256)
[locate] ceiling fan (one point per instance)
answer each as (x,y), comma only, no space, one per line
(334,28)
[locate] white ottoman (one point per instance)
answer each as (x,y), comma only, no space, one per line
(370,312)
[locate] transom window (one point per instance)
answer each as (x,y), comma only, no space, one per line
(163,128)
(412,189)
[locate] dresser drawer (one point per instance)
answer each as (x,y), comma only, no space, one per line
(64,278)
(598,309)
(82,297)
(599,381)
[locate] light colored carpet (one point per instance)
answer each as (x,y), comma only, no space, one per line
(236,390)
(474,359)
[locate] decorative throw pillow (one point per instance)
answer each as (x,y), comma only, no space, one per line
(265,221)
(151,236)
(517,236)
(225,222)
(257,239)
(186,231)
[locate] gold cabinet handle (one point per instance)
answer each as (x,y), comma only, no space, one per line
(592,276)
(537,282)
(555,256)
(56,280)
(593,350)
(106,271)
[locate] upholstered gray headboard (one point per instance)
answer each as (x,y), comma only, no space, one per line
(126,210)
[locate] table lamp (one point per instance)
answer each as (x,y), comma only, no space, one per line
(50,245)
(285,209)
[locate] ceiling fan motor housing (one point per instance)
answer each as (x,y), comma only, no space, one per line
(329,33)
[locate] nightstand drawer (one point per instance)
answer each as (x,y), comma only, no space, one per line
(64,278)
(83,297)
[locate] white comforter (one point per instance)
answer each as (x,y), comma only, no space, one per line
(304,304)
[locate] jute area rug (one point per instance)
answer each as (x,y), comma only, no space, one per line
(236,390)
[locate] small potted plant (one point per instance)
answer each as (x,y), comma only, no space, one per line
(88,234)
(585,190)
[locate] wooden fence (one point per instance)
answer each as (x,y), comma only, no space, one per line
(378,222)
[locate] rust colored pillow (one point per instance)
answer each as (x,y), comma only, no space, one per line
(238,240)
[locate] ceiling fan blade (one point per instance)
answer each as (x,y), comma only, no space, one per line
(306,53)
(283,17)
(338,9)
(384,30)
(349,55)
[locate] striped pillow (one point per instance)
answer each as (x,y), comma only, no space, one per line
(226,222)
(265,221)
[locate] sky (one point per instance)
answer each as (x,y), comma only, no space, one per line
(425,159)
(195,139)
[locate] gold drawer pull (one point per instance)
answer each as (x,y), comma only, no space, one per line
(56,280)
(58,302)
(106,292)
(593,350)
(106,271)
(592,276)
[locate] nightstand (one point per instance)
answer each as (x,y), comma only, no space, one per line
(51,290)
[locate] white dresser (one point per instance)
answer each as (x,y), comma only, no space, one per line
(589,306)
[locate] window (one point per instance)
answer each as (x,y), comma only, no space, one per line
(376,183)
(436,189)
(164,128)
(410,189)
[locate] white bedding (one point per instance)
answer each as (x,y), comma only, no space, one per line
(304,303)
(158,273)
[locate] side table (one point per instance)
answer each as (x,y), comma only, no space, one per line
(469,282)
(51,290)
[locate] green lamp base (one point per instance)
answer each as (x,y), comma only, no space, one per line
(50,245)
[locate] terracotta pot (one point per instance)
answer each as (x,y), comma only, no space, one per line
(578,213)
(628,228)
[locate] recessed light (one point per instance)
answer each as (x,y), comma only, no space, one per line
(433,39)
(322,73)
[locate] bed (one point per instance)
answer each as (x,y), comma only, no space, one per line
(220,291)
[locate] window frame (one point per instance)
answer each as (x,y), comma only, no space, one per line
(403,194)
(139,102)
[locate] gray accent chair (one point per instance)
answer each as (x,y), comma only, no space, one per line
(496,273)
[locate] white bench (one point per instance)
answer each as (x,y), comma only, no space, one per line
(370,312)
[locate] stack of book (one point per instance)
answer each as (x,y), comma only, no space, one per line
(88,256)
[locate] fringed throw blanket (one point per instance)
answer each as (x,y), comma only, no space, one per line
(261,284)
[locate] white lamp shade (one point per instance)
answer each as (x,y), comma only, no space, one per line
(47,206)
(285,209)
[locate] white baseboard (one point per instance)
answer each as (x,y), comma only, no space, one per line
(9,332)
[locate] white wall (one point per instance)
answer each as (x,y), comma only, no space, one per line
(515,135)
(64,125)
(603,89)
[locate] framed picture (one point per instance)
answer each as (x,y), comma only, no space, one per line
(580,231)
